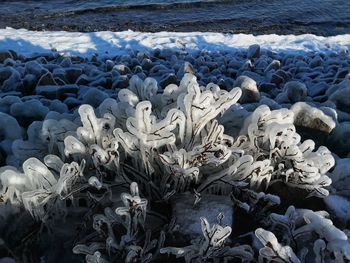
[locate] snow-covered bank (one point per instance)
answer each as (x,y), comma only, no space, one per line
(116,43)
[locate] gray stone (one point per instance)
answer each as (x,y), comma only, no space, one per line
(5,55)
(295,91)
(311,117)
(188,216)
(250,92)
(72,74)
(341,99)
(47,79)
(94,97)
(167,80)
(56,92)
(253,51)
(33,67)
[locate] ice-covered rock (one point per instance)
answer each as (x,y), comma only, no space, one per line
(250,92)
(311,117)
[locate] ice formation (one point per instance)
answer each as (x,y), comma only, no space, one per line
(82,134)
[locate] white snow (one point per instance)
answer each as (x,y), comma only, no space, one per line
(117,43)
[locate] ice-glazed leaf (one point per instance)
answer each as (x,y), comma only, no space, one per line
(73,146)
(144,90)
(53,162)
(35,201)
(128,96)
(38,174)
(94,182)
(273,250)
(69,174)
(201,107)
(150,132)
(13,184)
(90,131)
(319,250)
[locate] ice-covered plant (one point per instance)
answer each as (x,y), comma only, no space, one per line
(308,233)
(40,187)
(273,250)
(271,138)
(211,247)
(135,244)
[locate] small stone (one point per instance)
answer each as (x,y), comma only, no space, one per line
(29,84)
(5,55)
(56,92)
(295,91)
(122,69)
(94,97)
(250,92)
(33,67)
(47,79)
(121,82)
(341,99)
(167,80)
(253,51)
(72,74)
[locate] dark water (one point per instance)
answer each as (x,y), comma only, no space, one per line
(321,17)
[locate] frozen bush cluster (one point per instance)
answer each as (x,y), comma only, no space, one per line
(70,170)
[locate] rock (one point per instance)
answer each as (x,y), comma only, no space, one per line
(10,79)
(94,97)
(253,51)
(33,67)
(122,69)
(317,89)
(109,65)
(28,111)
(147,64)
(29,83)
(4,54)
(6,102)
(56,92)
(339,139)
(276,79)
(188,216)
(167,80)
(250,92)
(66,62)
(72,74)
(341,99)
(341,177)
(340,207)
(295,91)
(9,127)
(121,82)
(47,79)
(83,80)
(311,117)
(5,73)
(186,68)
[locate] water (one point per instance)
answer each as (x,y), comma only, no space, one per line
(321,17)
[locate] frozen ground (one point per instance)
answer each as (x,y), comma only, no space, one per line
(116,43)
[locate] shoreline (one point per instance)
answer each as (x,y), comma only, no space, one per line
(26,42)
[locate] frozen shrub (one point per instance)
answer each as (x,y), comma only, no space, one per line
(162,143)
